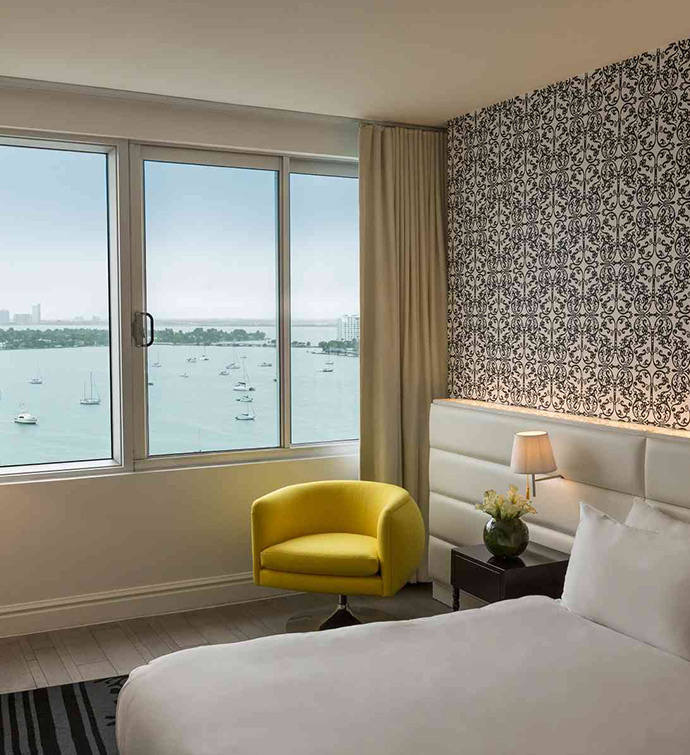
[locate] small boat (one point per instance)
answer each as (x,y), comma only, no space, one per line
(38,380)
(25,418)
(244,385)
(191,360)
(327,369)
(150,382)
(204,358)
(330,362)
(247,416)
(266,364)
(94,397)
(245,399)
(234,365)
(184,375)
(157,363)
(223,372)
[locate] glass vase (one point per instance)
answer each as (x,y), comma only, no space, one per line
(506,538)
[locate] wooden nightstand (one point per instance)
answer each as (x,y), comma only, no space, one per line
(538,571)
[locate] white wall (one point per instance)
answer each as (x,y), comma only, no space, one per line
(83,550)
(77,551)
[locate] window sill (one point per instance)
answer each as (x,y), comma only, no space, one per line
(253,456)
(71,470)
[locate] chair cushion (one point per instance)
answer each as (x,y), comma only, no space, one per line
(337,554)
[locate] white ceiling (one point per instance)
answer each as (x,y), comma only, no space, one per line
(416,61)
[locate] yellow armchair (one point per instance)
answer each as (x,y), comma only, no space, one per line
(344,537)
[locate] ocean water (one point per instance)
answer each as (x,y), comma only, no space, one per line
(186,414)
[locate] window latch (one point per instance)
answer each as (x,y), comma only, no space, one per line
(143,335)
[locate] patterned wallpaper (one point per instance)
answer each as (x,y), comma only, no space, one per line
(569,258)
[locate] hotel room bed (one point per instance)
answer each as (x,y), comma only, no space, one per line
(523,677)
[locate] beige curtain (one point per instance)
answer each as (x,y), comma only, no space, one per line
(403,342)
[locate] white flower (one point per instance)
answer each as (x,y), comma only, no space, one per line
(511,506)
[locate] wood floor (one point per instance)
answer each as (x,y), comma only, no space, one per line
(74,655)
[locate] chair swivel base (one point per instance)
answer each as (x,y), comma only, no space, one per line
(317,620)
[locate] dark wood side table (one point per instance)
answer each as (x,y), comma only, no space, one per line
(538,571)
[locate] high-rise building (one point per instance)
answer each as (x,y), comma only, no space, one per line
(348,328)
(21,318)
(4,317)
(36,314)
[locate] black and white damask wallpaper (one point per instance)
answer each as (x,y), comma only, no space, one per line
(569,256)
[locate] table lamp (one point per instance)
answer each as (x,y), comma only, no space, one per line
(532,455)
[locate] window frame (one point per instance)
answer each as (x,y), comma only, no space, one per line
(129,421)
(116,152)
(284,165)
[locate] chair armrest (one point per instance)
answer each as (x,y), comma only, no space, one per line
(279,516)
(401,539)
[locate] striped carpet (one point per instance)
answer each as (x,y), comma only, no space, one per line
(74,719)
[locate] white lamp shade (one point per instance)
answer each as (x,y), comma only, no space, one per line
(532,453)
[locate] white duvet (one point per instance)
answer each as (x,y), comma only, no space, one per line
(522,677)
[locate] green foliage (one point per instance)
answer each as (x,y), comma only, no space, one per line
(207,336)
(52,338)
(333,347)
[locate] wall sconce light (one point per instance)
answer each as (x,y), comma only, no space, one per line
(532,455)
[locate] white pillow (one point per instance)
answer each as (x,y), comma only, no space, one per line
(647,516)
(634,581)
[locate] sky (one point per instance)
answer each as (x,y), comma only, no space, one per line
(211,239)
(53,232)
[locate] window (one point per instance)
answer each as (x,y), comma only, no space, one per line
(161,306)
(55,339)
(324,299)
(211,261)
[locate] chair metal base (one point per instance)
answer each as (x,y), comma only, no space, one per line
(318,621)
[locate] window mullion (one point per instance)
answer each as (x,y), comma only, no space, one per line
(284,326)
(137,384)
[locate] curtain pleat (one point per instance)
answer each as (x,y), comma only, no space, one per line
(403,343)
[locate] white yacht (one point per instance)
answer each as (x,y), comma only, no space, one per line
(234,365)
(191,360)
(247,416)
(223,372)
(184,375)
(93,398)
(157,363)
(244,385)
(245,399)
(26,418)
(204,358)
(266,364)
(38,380)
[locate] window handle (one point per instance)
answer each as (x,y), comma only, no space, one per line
(143,336)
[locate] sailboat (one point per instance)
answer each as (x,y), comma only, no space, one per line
(266,364)
(204,358)
(184,375)
(191,360)
(223,372)
(38,380)
(329,366)
(244,385)
(245,399)
(234,365)
(94,398)
(157,363)
(247,416)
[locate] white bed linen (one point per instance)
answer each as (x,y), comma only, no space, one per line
(521,677)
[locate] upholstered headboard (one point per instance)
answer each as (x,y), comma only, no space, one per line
(606,464)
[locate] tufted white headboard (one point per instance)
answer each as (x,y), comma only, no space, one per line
(606,464)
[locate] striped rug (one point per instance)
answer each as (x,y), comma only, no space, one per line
(74,719)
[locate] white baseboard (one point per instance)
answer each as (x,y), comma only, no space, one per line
(130,603)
